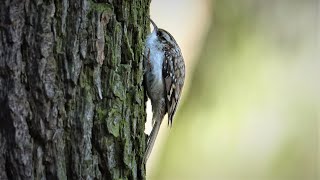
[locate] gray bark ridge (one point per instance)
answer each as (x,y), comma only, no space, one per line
(72,101)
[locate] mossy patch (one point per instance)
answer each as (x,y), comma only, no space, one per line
(100,7)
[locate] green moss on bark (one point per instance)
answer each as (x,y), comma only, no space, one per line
(77,74)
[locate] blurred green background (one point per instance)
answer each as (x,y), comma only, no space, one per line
(250,107)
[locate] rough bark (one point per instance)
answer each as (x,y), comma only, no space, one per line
(72,103)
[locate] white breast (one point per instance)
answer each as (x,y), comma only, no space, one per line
(156,56)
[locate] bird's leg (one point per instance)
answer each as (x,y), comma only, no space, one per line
(148,62)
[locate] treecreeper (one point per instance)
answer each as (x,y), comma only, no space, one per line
(164,78)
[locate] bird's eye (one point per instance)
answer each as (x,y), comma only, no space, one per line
(162,37)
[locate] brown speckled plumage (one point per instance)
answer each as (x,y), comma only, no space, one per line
(165,74)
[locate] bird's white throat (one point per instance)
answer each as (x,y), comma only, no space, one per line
(156,55)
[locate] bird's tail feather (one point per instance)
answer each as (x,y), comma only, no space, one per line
(151,140)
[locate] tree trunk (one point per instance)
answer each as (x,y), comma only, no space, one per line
(71,93)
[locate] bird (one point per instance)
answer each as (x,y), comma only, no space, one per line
(164,78)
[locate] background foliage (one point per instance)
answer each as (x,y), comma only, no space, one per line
(252,110)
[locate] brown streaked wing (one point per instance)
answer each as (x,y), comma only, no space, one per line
(174,74)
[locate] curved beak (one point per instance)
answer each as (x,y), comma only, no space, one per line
(153,24)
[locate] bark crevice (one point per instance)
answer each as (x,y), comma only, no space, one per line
(71,93)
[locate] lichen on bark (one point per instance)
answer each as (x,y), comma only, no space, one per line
(71,92)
